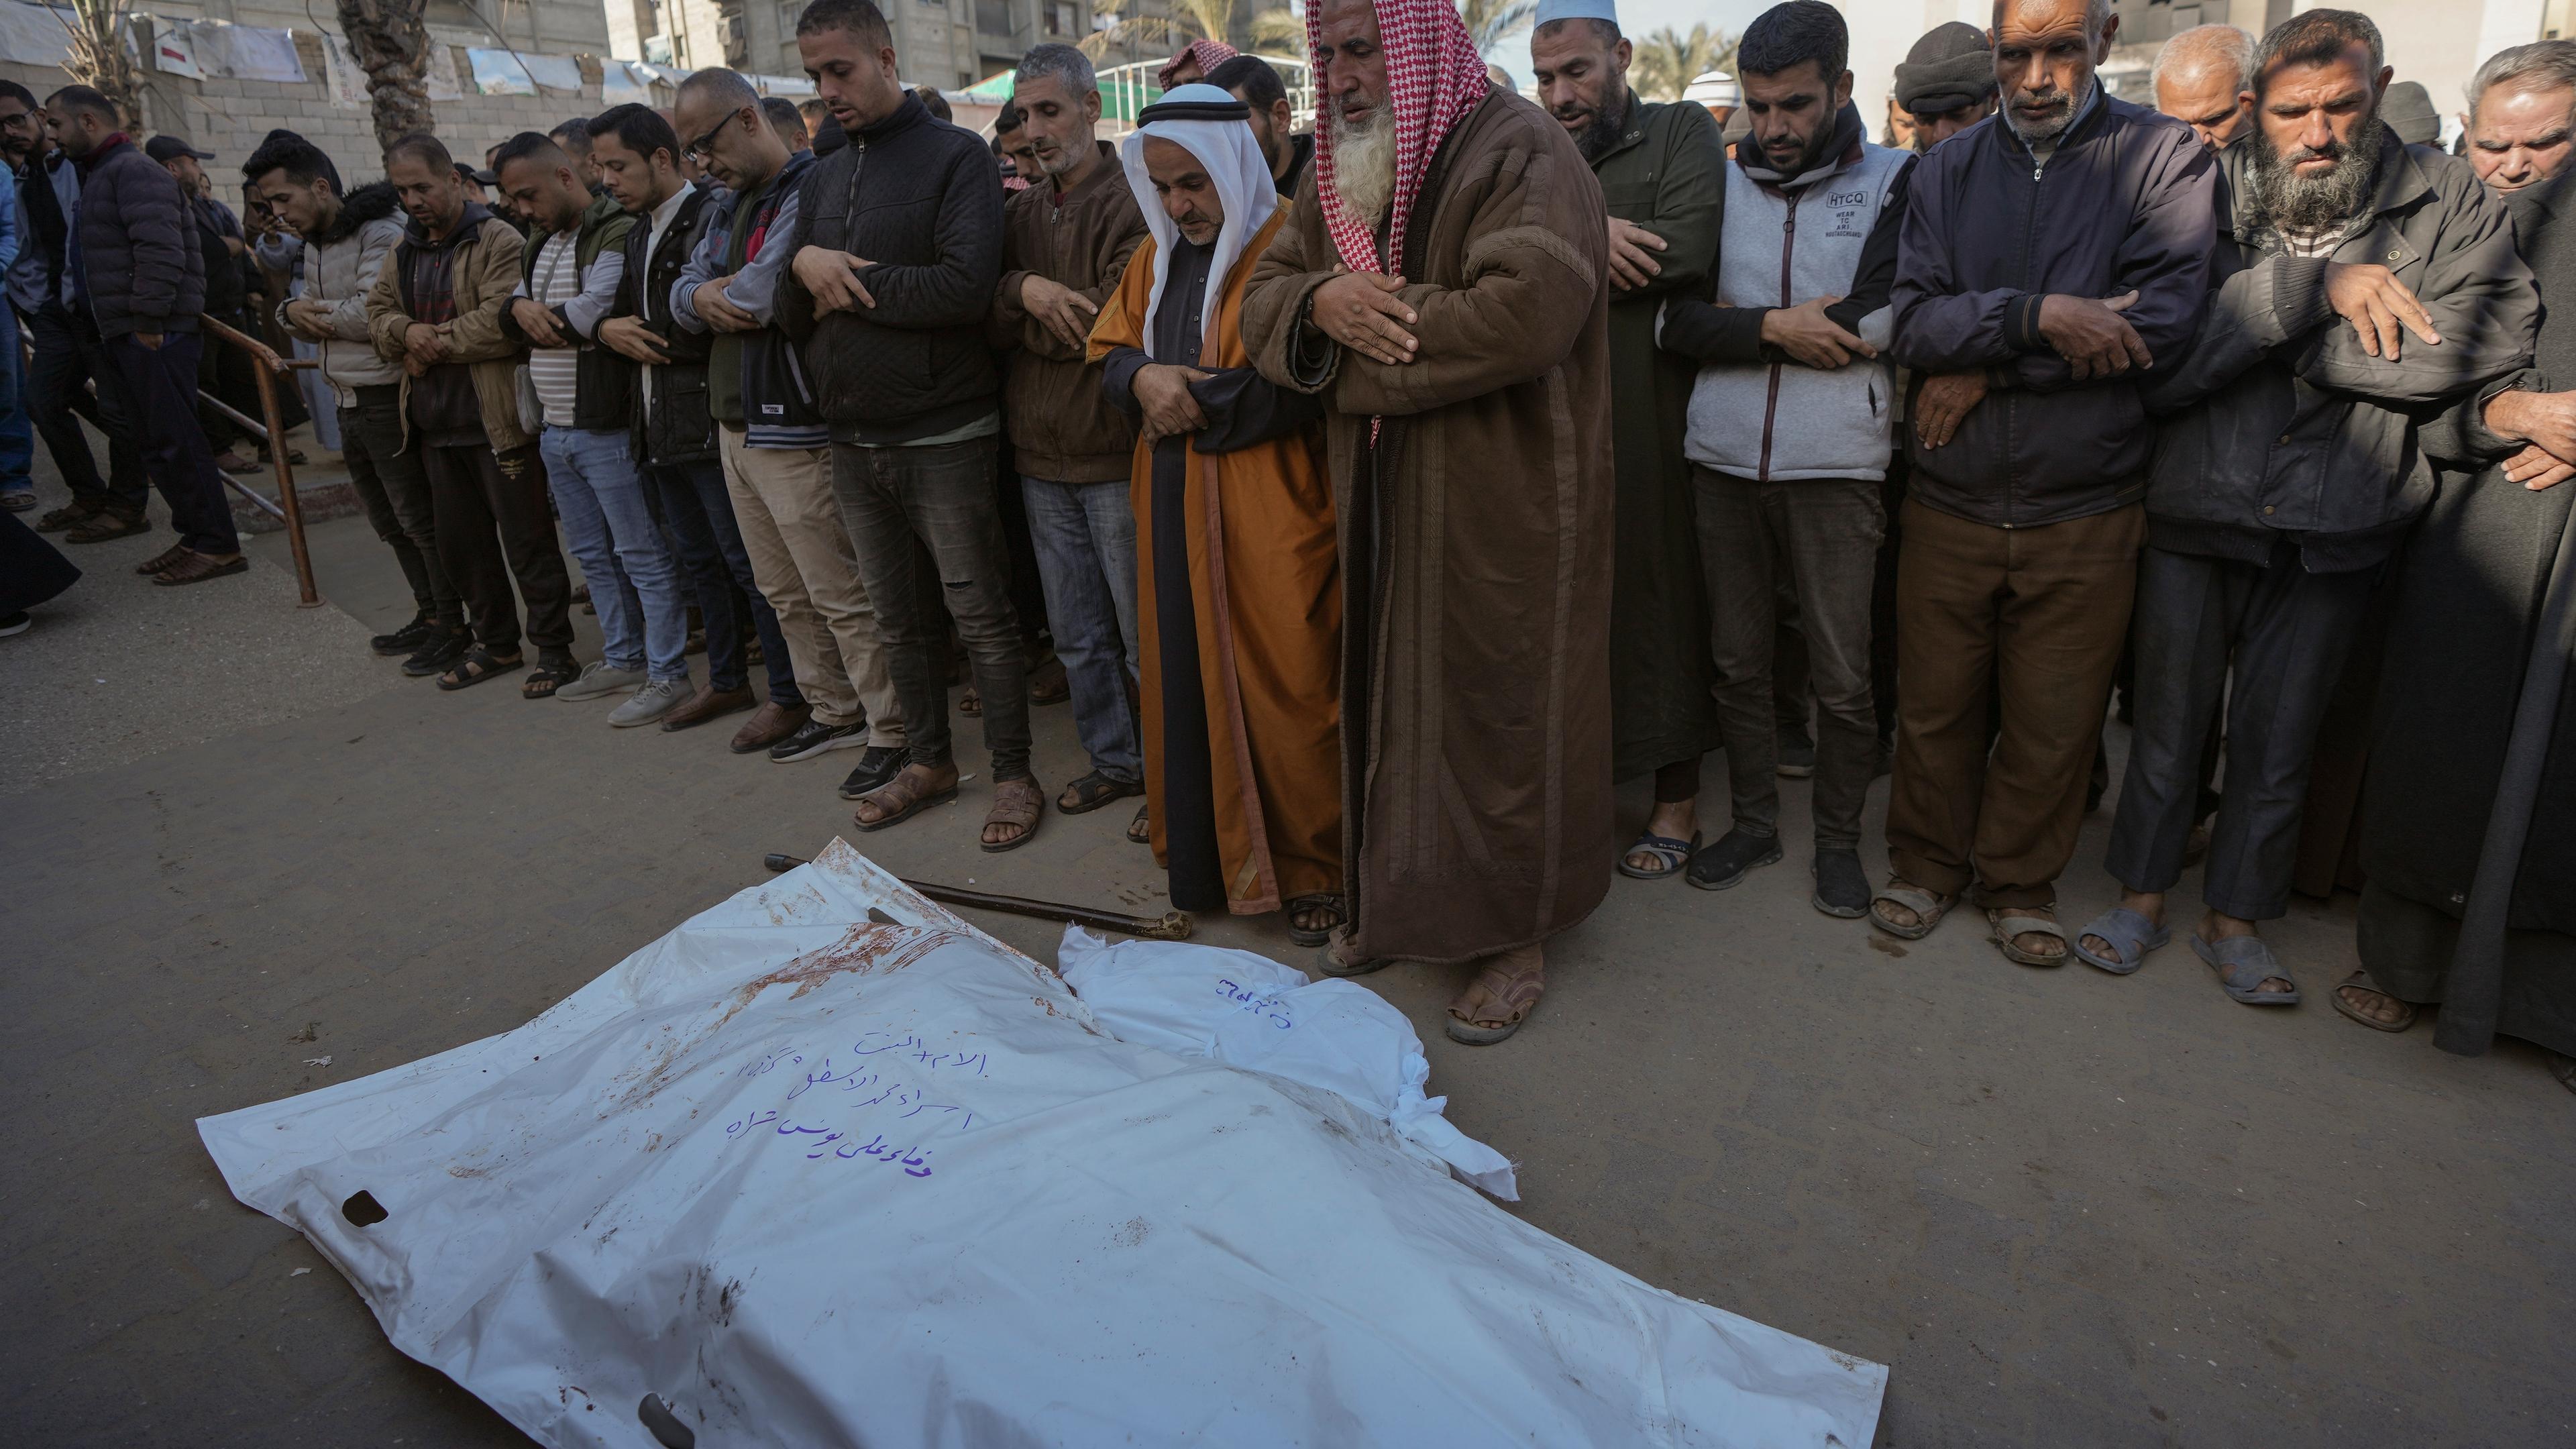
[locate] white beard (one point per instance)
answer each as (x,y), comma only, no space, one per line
(1364,166)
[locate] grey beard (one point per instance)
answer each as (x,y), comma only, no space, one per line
(2054,127)
(1608,125)
(1364,166)
(2301,203)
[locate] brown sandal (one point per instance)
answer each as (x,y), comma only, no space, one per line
(195,568)
(1015,802)
(162,560)
(1514,981)
(901,798)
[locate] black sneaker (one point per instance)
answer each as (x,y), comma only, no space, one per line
(442,649)
(1842,887)
(1797,757)
(814,737)
(878,765)
(1735,855)
(406,639)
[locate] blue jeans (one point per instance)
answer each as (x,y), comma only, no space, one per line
(1086,544)
(17,431)
(699,513)
(600,498)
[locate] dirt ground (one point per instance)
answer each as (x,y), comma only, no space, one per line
(2066,1209)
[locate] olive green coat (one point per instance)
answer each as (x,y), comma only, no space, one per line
(1666,174)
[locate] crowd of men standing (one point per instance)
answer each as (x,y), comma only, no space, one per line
(1392,491)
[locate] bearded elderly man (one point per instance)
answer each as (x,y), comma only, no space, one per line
(2472,862)
(1448,296)
(1238,587)
(2360,284)
(1660,172)
(2048,257)
(2204,78)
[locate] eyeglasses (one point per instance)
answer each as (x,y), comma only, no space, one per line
(701,147)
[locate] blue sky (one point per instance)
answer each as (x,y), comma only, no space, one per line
(1642,17)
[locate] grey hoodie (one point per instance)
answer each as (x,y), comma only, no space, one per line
(340,267)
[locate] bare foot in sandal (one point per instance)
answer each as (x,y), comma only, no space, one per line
(2215,928)
(1017,807)
(2034,947)
(2371,1006)
(1908,911)
(913,789)
(1499,997)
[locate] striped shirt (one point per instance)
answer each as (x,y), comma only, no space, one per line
(556,370)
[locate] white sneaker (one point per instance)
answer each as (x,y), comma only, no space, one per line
(598,678)
(656,699)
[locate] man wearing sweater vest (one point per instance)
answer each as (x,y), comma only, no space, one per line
(567,287)
(774,442)
(1789,434)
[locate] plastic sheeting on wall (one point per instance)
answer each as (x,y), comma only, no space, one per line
(507,73)
(827,1165)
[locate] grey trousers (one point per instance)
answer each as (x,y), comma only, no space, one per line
(2287,631)
(1822,535)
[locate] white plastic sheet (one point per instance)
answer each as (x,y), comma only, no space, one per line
(242,52)
(1249,1011)
(624,82)
(504,73)
(825,1165)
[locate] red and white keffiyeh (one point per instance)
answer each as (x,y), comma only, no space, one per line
(1208,53)
(1434,77)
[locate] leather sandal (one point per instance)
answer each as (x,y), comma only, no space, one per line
(162,560)
(1513,983)
(901,798)
(195,568)
(1015,802)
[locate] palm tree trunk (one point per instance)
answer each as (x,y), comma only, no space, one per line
(391,42)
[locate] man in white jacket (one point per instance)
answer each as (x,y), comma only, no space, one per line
(346,240)
(1788,434)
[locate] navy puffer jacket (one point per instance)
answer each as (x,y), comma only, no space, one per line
(138,238)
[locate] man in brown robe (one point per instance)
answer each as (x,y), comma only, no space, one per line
(1442,283)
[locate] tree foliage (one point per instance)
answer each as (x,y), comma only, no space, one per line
(1667,60)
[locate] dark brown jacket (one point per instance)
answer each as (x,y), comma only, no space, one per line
(1062,429)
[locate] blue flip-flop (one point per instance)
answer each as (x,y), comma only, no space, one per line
(1674,854)
(2131,936)
(2242,964)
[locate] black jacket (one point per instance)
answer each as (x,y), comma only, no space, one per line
(604,379)
(2124,203)
(138,240)
(676,426)
(918,198)
(2277,423)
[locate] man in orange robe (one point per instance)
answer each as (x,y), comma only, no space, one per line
(1238,594)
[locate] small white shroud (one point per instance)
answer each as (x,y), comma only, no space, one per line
(812,1180)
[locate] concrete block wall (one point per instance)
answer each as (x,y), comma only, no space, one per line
(228,117)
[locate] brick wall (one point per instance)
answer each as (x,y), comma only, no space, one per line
(228,117)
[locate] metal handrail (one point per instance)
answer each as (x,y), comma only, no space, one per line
(270,368)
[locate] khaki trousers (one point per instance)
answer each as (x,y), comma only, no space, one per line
(2035,617)
(802,560)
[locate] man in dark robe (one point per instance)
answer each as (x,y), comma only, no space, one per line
(1238,586)
(1448,297)
(2471,900)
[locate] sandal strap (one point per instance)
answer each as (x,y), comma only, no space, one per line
(2010,923)
(1016,802)
(1515,991)
(901,793)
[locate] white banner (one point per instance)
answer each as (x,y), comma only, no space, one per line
(625,82)
(174,50)
(33,34)
(244,52)
(343,78)
(439,68)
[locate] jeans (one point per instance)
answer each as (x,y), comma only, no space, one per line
(492,526)
(2288,631)
(17,433)
(389,482)
(633,583)
(1818,538)
(1085,535)
(68,356)
(896,502)
(698,511)
(163,383)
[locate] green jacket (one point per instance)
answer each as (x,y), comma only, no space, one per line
(1667,174)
